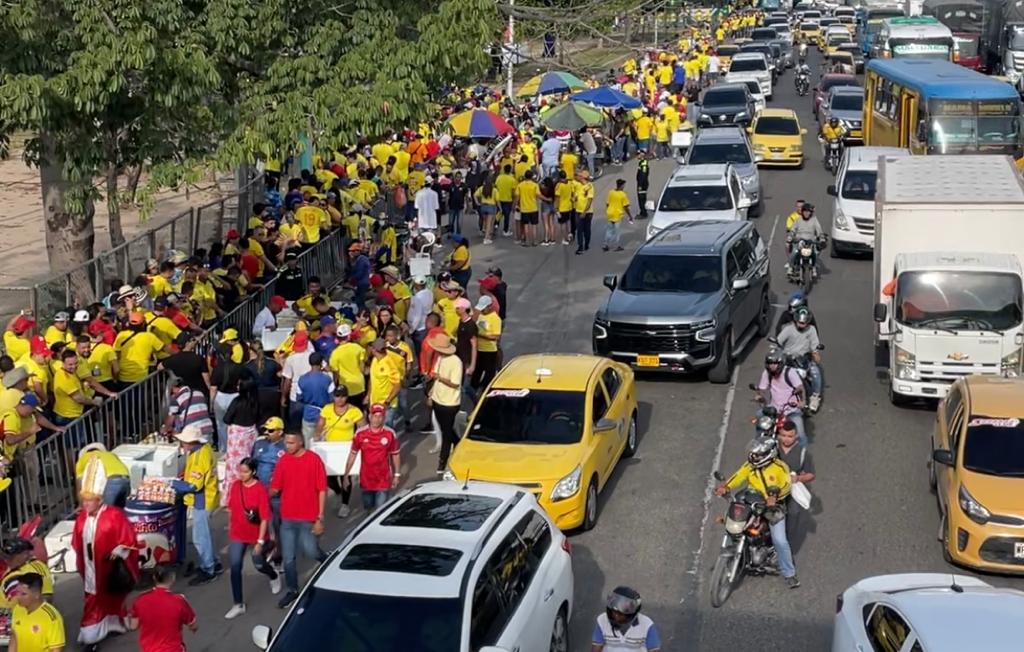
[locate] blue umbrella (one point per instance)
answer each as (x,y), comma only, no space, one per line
(608,98)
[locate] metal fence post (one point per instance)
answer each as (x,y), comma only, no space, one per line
(193,235)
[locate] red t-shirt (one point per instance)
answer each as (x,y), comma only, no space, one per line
(250,265)
(426,353)
(300,481)
(179,318)
(100,327)
(161,616)
(241,499)
(375,448)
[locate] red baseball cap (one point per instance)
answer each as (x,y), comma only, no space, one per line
(22,324)
(232,234)
(38,346)
(378,408)
(301,341)
(278,300)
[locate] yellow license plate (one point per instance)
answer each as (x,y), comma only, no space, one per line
(647,361)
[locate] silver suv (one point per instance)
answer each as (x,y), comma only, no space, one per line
(692,298)
(729,145)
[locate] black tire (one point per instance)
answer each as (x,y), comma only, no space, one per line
(721,373)
(945,541)
(764,316)
(833,251)
(590,507)
(757,209)
(933,482)
(560,633)
(632,438)
(898,400)
(721,584)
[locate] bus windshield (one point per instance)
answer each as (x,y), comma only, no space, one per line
(983,125)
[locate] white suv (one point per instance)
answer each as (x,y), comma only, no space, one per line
(751,65)
(699,192)
(444,567)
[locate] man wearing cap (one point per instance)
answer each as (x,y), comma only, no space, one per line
(267,451)
(136,348)
(20,427)
(230,336)
(380,464)
(385,380)
(58,331)
(446,307)
(35,623)
(266,319)
(37,363)
(290,279)
(19,555)
(466,342)
(18,333)
(489,333)
(199,484)
(328,338)
(294,367)
(163,326)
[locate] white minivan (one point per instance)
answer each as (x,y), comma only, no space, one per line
(853,209)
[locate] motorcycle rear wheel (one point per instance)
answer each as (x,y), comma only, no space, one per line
(722,583)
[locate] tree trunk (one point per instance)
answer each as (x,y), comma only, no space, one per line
(132,187)
(120,269)
(69,236)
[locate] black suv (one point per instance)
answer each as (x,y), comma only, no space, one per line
(692,297)
(726,104)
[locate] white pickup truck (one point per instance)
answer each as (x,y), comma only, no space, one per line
(949,238)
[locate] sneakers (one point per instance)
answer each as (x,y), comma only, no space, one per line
(814,403)
(343,511)
(605,248)
(235,612)
(287,599)
(275,585)
(202,577)
(792,582)
(506,233)
(488,241)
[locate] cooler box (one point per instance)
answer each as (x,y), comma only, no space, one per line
(160,528)
(145,460)
(272,340)
(335,454)
(58,541)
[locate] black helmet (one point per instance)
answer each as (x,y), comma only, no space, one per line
(16,546)
(774,356)
(762,451)
(802,317)
(623,600)
(808,207)
(833,121)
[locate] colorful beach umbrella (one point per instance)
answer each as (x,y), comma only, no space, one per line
(552,82)
(608,98)
(572,116)
(478,123)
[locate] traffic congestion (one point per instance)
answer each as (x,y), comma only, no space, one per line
(744,371)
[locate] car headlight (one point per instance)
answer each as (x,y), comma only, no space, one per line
(841,221)
(796,149)
(600,329)
(906,365)
(758,147)
(749,183)
(568,486)
(972,508)
(704,330)
(742,115)
(653,231)
(1011,364)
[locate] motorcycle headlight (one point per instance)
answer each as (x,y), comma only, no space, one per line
(705,330)
(568,486)
(972,508)
(734,527)
(906,364)
(600,329)
(1011,364)
(841,221)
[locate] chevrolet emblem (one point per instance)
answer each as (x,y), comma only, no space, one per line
(957,357)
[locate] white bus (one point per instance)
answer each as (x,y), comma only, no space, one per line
(922,37)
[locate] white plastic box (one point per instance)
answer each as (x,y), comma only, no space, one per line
(150,460)
(334,455)
(58,541)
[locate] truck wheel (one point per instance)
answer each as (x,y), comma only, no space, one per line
(722,371)
(898,400)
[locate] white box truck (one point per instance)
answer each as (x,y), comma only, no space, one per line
(949,238)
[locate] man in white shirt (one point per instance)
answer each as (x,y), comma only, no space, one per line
(267,318)
(714,66)
(295,366)
(427,204)
(419,307)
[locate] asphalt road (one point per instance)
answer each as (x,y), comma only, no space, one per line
(872,513)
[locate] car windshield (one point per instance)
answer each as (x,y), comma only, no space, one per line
(808,27)
(748,65)
(705,153)
(356,622)
(695,198)
(774,126)
(836,39)
(994,446)
(847,102)
(727,50)
(958,301)
(859,185)
(1016,39)
(753,87)
(968,47)
(651,273)
(724,97)
(529,416)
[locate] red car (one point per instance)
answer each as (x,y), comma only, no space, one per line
(827,82)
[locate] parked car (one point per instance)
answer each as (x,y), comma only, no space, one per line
(555,424)
(463,565)
(726,104)
(691,299)
(853,206)
(824,84)
(729,145)
(927,612)
(846,103)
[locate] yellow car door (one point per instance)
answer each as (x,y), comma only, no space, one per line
(949,423)
(618,406)
(604,430)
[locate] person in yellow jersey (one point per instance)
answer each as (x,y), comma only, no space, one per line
(385,381)
(19,556)
(564,205)
(643,127)
(230,336)
(36,625)
(118,485)
(719,34)
(528,203)
(488,339)
(399,289)
(583,209)
(37,363)
(199,484)
(662,136)
(402,163)
(348,364)
(100,358)
(792,218)
(58,330)
(505,185)
(136,349)
(616,207)
(71,394)
(18,333)
(160,283)
(569,161)
(162,326)
(337,423)
(310,217)
(446,307)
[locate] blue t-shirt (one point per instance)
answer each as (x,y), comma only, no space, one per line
(314,393)
(326,344)
(267,454)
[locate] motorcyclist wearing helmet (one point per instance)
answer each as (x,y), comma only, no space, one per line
(797,300)
(766,474)
(807,228)
(19,560)
(782,388)
(622,628)
(799,339)
(833,130)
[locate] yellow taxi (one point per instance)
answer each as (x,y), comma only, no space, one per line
(808,32)
(556,425)
(977,473)
(823,28)
(777,138)
(725,52)
(834,39)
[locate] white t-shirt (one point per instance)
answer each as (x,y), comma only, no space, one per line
(295,366)
(713,63)
(427,204)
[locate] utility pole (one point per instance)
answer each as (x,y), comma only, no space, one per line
(510,52)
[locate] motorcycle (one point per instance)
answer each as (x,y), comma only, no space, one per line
(802,83)
(833,154)
(805,271)
(746,546)
(769,422)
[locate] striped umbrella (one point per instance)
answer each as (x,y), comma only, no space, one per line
(478,123)
(552,82)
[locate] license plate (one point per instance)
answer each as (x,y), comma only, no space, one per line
(647,361)
(1018,550)
(778,157)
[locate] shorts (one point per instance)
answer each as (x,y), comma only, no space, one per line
(564,217)
(530,218)
(488,209)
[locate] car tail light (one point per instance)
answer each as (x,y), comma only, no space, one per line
(566,545)
(839,602)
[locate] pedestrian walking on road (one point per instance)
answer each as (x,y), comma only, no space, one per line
(616,207)
(380,466)
(249,526)
(584,207)
(489,328)
(242,418)
(159,614)
(301,480)
(337,423)
(445,396)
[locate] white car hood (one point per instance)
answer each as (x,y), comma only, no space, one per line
(857,208)
(664,219)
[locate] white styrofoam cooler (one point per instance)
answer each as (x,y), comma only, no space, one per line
(58,541)
(151,460)
(334,455)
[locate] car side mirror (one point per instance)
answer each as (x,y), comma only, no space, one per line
(803,132)
(943,457)
(261,636)
(750,130)
(604,425)
(649,205)
(740,284)
(611,281)
(831,190)
(881,311)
